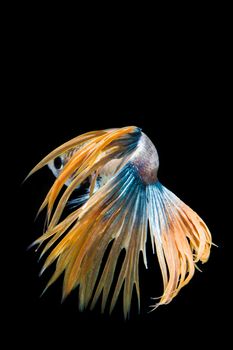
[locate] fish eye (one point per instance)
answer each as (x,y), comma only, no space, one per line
(58,164)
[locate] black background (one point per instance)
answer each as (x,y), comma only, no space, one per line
(174,89)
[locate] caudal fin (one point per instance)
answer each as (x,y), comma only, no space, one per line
(116,213)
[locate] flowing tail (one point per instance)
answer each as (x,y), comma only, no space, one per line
(119,212)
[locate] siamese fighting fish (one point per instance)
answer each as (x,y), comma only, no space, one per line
(123,205)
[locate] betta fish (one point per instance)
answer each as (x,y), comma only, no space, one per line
(124,203)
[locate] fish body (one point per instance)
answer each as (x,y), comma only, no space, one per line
(125,201)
